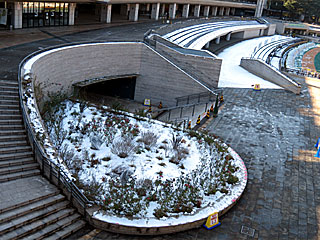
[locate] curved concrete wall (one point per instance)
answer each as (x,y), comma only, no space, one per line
(158,79)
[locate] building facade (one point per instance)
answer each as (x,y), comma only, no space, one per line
(62,13)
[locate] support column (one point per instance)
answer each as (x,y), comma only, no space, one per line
(259,8)
(207,45)
(102,12)
(134,12)
(197,10)
(155,11)
(72,10)
(218,40)
(163,9)
(185,10)
(109,13)
(228,37)
(214,11)
(172,10)
(221,11)
(17,15)
(233,11)
(206,11)
(227,11)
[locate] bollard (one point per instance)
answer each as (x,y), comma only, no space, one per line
(199,120)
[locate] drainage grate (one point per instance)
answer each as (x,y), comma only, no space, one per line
(247,231)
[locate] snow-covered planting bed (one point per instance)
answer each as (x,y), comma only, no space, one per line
(142,172)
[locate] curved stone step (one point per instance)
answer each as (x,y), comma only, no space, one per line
(18,175)
(10,116)
(54,228)
(11,127)
(33,206)
(47,225)
(9,92)
(65,232)
(9,97)
(9,106)
(20,168)
(13,83)
(11,122)
(14,102)
(10,112)
(32,216)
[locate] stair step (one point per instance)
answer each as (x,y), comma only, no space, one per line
(10,112)
(17,162)
(33,215)
(13,144)
(14,176)
(12,132)
(13,156)
(9,92)
(14,149)
(9,102)
(11,127)
(9,106)
(67,231)
(9,96)
(50,191)
(53,228)
(45,226)
(13,138)
(11,122)
(10,116)
(13,83)
(11,89)
(34,206)
(16,169)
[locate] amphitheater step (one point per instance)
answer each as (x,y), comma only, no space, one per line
(17,162)
(57,227)
(5,106)
(18,175)
(7,96)
(16,169)
(13,156)
(13,222)
(65,232)
(9,92)
(9,88)
(10,116)
(15,149)
(13,144)
(12,132)
(13,138)
(47,225)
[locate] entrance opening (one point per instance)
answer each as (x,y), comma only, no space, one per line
(121,87)
(85,13)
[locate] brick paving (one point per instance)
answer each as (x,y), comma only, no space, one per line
(274,131)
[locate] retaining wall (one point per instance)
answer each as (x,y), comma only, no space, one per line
(158,79)
(265,71)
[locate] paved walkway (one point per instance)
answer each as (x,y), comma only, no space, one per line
(274,131)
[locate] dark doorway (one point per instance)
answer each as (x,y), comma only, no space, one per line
(121,87)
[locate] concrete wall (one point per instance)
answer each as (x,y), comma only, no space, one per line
(209,66)
(271,30)
(265,71)
(158,79)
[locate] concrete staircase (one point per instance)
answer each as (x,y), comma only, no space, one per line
(30,206)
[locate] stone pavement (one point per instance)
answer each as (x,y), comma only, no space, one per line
(274,131)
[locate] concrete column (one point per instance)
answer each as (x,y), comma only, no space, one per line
(218,40)
(197,10)
(109,13)
(185,10)
(227,11)
(228,37)
(172,10)
(134,12)
(155,11)
(72,10)
(102,12)
(233,11)
(259,8)
(221,11)
(206,11)
(17,15)
(214,11)
(148,7)
(163,9)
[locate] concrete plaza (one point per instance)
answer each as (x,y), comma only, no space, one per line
(274,131)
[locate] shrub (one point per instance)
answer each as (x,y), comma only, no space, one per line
(123,147)
(149,138)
